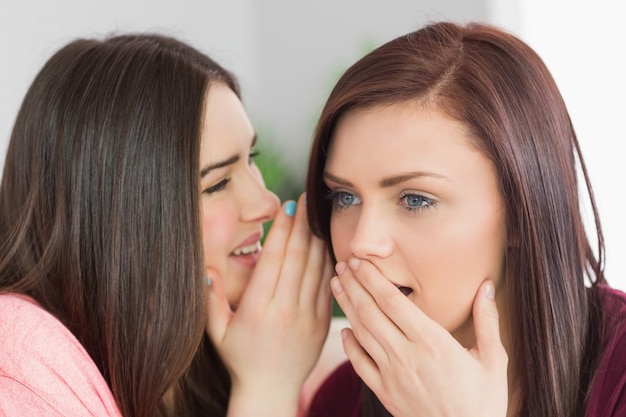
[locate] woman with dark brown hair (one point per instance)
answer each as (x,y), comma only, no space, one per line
(443,175)
(132,280)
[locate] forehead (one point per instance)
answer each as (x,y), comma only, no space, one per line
(405,133)
(226,127)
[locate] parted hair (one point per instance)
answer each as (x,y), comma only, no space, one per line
(501,90)
(99,215)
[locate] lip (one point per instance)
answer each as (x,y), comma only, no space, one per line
(250,260)
(253,238)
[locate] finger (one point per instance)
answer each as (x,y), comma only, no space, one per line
(324,306)
(363,364)
(487,325)
(324,297)
(266,272)
(316,269)
(406,317)
(218,308)
(296,261)
(363,314)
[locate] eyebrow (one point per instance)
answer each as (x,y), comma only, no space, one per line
(228,161)
(388,181)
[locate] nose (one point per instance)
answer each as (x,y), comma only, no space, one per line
(257,202)
(372,236)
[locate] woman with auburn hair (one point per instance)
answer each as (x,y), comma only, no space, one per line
(443,177)
(131,221)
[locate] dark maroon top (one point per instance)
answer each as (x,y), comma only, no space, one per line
(340,394)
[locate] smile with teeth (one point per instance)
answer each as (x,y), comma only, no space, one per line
(247,250)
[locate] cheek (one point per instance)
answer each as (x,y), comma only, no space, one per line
(476,250)
(218,230)
(340,234)
(450,266)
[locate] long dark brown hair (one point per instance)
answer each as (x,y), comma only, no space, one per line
(501,90)
(99,215)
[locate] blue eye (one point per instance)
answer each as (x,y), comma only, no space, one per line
(414,202)
(346,199)
(343,199)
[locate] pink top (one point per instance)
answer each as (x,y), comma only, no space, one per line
(44,370)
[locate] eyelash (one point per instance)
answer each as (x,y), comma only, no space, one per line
(428,202)
(334,196)
(217,187)
(224,182)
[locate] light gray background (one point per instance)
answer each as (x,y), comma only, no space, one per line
(287,55)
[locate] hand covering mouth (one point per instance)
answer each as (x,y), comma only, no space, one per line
(247,250)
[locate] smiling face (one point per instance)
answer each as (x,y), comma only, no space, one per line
(234,200)
(411,194)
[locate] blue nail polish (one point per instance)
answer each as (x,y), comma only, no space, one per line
(208,281)
(290,208)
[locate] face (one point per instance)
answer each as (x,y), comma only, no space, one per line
(411,194)
(234,200)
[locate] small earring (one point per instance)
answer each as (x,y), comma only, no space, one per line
(208,281)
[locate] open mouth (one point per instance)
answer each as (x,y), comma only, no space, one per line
(405,290)
(247,250)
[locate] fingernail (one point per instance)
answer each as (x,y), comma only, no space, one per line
(208,281)
(340,267)
(335,285)
(490,291)
(290,208)
(354,263)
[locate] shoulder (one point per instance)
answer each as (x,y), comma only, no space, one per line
(339,395)
(611,299)
(613,309)
(608,393)
(44,370)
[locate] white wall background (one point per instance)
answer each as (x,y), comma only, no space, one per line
(32,30)
(584,45)
(287,54)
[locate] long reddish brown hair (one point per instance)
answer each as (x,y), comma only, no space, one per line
(501,90)
(99,215)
